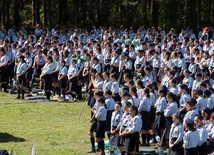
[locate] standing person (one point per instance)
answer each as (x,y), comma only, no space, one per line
(176,137)
(57,63)
(160,106)
(115,87)
(47,76)
(96,96)
(132,131)
(191,108)
(39,62)
(144,110)
(100,115)
(109,103)
(62,78)
(3,69)
(123,124)
(191,138)
(20,76)
(115,121)
(201,101)
(203,134)
(29,70)
(107,82)
(11,63)
(172,108)
(72,79)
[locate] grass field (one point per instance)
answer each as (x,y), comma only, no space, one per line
(53,126)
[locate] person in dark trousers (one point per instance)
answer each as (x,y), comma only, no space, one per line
(20,77)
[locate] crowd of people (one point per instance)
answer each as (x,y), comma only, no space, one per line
(139,83)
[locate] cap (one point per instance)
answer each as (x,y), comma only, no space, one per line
(189,122)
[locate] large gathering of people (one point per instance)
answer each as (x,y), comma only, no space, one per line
(140,84)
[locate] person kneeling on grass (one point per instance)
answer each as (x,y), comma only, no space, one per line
(20,76)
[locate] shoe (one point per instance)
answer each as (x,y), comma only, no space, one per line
(23,97)
(18,97)
(75,99)
(6,91)
(152,141)
(92,151)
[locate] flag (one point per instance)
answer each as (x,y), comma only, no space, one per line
(32,149)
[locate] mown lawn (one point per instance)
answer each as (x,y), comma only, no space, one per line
(54,127)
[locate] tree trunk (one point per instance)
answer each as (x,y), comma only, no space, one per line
(38,6)
(44,2)
(50,16)
(8,12)
(3,12)
(16,16)
(155,13)
(33,12)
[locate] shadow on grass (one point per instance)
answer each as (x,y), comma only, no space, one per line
(6,137)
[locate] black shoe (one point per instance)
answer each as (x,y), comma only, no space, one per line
(6,91)
(92,151)
(23,97)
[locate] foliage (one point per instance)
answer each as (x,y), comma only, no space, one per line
(85,13)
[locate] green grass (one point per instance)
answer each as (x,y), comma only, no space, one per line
(54,127)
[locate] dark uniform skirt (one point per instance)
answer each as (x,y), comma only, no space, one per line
(202,150)
(121,140)
(4,74)
(21,82)
(63,83)
(55,76)
(38,70)
(108,120)
(48,79)
(72,84)
(146,119)
(93,125)
(161,121)
(176,149)
(100,130)
(28,74)
(192,151)
(152,111)
(132,142)
(114,138)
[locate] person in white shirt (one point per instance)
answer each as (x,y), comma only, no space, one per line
(20,77)
(47,76)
